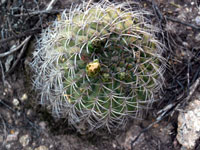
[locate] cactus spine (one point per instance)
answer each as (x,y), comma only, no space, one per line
(98,65)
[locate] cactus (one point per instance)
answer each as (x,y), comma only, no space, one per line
(98,65)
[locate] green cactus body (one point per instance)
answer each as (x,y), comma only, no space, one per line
(98,65)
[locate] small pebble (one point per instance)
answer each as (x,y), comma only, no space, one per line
(15,102)
(1,138)
(41,148)
(12,137)
(18,114)
(24,97)
(9,118)
(114,145)
(24,140)
(28,148)
(197,20)
(8,146)
(187,9)
(185,44)
(33,144)
(51,146)
(197,37)
(42,124)
(29,112)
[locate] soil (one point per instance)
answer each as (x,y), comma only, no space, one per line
(25,125)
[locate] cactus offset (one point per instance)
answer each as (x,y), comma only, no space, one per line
(98,65)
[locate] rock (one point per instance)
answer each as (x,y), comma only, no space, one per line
(12,137)
(189,125)
(24,140)
(41,148)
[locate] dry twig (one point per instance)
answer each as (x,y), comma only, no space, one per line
(18,59)
(4,126)
(40,12)
(16,48)
(6,105)
(20,35)
(2,73)
(183,23)
(49,7)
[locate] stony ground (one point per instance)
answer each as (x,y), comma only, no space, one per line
(24,125)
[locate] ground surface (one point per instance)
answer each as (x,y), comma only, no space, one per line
(24,125)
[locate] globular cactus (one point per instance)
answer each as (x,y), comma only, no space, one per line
(98,65)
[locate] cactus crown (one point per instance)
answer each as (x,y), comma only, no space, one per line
(98,65)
